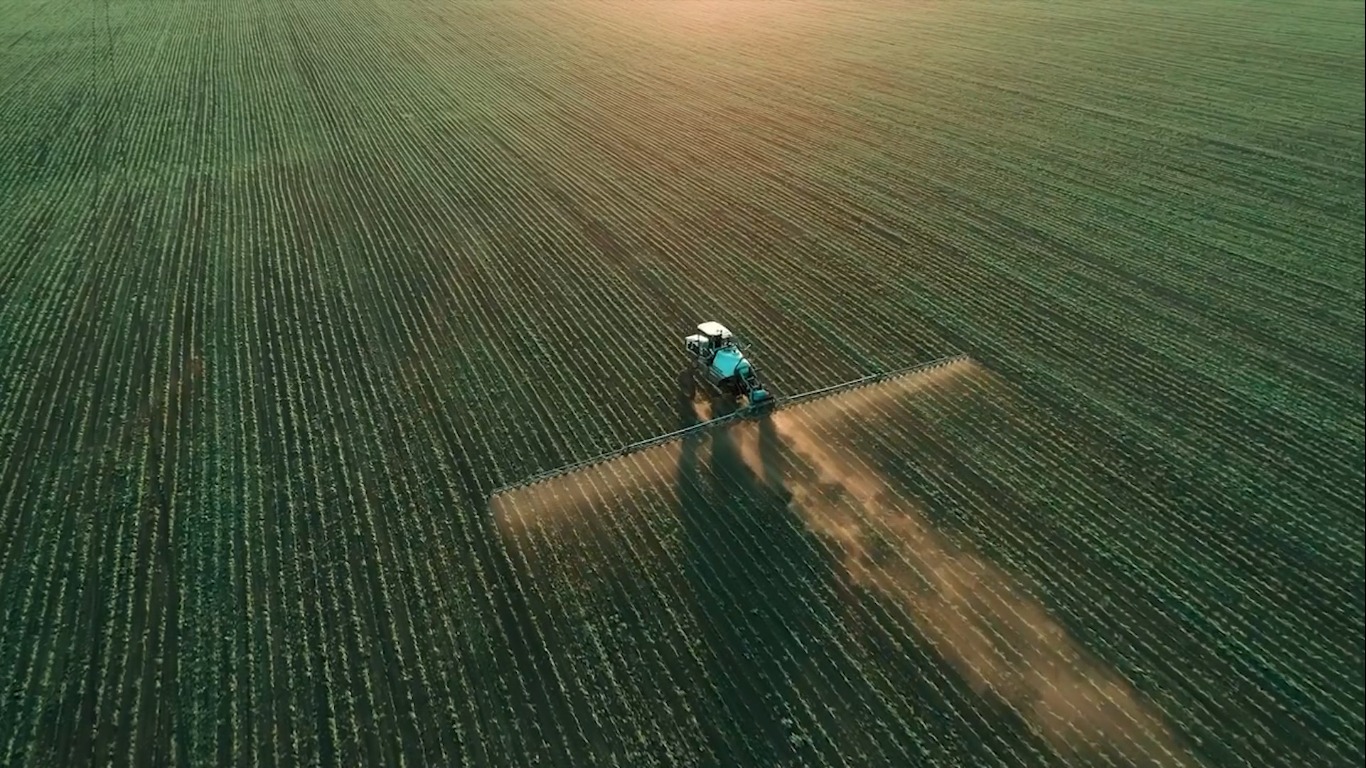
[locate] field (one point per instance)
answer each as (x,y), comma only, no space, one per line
(288,287)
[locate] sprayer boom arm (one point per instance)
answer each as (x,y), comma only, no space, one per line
(772,404)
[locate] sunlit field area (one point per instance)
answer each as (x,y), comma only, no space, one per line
(289,288)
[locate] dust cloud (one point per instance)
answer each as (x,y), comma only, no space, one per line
(952,375)
(703,410)
(585,497)
(591,496)
(1002,641)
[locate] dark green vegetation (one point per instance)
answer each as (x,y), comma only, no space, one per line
(287,287)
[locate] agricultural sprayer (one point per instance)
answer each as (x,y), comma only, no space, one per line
(719,365)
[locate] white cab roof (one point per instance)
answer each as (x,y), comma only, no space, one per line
(712,328)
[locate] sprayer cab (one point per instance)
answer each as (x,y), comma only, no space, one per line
(719,362)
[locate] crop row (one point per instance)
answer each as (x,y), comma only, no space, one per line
(1198,411)
(284,293)
(954,278)
(967,433)
(579,546)
(1081,516)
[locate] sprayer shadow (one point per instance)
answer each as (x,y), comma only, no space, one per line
(749,568)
